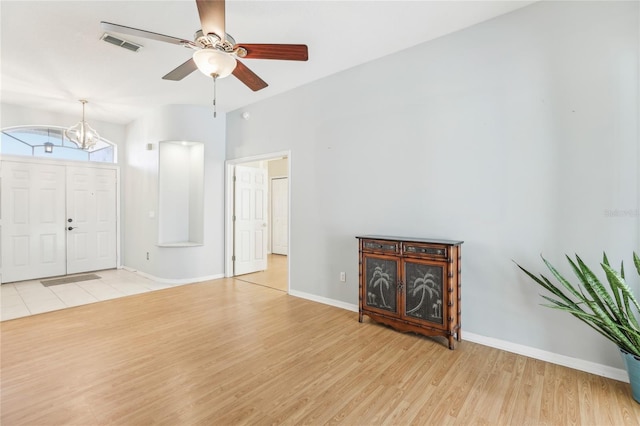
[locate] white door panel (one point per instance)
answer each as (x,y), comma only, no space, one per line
(250,226)
(279,215)
(33,236)
(91,206)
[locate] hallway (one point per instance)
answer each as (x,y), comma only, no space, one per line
(275,276)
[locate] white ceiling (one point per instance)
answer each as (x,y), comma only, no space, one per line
(51,53)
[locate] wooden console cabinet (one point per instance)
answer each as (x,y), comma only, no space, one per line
(411,284)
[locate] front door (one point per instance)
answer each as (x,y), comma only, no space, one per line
(91,219)
(37,202)
(250,225)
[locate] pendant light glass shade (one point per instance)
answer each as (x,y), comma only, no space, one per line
(213,62)
(82,134)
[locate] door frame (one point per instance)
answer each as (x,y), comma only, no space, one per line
(229,202)
(115,166)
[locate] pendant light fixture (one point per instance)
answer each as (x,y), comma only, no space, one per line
(215,63)
(82,134)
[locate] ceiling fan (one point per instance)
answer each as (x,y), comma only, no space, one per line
(216,52)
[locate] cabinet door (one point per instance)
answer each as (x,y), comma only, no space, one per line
(380,283)
(424,292)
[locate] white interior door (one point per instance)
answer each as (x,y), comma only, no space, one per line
(279,215)
(250,224)
(33,214)
(91,215)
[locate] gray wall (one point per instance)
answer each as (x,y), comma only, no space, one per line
(140,194)
(518,135)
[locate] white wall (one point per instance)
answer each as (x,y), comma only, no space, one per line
(518,135)
(174,122)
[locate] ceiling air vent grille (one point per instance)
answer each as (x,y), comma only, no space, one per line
(120,42)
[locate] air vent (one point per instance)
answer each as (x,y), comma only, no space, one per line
(120,42)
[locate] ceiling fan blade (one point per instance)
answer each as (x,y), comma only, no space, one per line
(212,17)
(248,77)
(181,71)
(289,52)
(108,26)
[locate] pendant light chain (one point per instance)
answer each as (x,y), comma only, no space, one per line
(215,79)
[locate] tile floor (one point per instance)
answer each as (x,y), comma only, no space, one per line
(31,297)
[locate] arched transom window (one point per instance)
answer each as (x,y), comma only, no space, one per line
(50,142)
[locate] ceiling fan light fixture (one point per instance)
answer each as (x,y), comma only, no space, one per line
(81,133)
(213,62)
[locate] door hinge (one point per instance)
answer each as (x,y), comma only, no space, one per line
(234,179)
(233,218)
(233,258)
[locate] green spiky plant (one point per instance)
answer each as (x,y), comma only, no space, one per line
(611,311)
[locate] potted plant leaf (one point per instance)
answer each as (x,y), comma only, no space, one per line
(610,310)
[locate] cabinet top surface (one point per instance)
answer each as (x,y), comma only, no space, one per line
(410,239)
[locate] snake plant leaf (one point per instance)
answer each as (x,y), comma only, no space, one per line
(562,280)
(545,283)
(616,279)
(610,325)
(618,284)
(636,261)
(598,292)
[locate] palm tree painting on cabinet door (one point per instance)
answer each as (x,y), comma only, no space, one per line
(381,283)
(424,292)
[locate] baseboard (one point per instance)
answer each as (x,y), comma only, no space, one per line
(566,361)
(174,281)
(324,300)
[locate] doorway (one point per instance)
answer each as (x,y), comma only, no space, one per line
(252,216)
(58,219)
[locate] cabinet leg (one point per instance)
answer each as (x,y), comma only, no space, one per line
(459,335)
(360,317)
(451,344)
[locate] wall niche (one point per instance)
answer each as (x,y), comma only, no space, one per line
(180,194)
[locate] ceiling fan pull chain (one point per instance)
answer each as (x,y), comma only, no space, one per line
(215,78)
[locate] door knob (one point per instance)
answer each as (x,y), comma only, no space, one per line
(69,220)
(70,228)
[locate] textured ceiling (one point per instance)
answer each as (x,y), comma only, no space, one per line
(51,53)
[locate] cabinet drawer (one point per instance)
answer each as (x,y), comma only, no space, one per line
(415,249)
(381,246)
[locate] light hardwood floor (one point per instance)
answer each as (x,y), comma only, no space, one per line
(228,352)
(275,276)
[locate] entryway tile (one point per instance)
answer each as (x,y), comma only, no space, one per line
(73,295)
(12,312)
(100,290)
(38,306)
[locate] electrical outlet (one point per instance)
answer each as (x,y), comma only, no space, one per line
(343,277)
